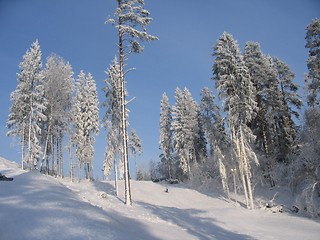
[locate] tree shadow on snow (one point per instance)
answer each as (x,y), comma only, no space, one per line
(191,220)
(36,207)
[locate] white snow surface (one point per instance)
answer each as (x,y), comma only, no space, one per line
(34,206)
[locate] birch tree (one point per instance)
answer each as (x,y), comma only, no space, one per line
(58,90)
(131,21)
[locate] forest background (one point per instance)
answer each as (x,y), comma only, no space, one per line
(148,83)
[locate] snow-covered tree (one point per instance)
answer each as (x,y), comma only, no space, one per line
(58,91)
(166,135)
(263,125)
(237,93)
(131,20)
(313,62)
(305,179)
(91,122)
(86,121)
(135,146)
(290,102)
(112,121)
(186,129)
(213,121)
(216,135)
(28,105)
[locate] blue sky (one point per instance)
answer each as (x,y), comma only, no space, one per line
(188,30)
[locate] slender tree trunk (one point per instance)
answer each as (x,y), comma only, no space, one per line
(266,150)
(115,176)
(57,156)
(234,184)
(52,156)
(60,154)
(70,159)
(128,200)
(241,166)
(29,142)
(44,157)
(22,145)
(247,170)
(169,167)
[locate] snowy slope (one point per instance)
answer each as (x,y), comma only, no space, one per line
(34,206)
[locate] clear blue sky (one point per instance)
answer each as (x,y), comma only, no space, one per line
(187,29)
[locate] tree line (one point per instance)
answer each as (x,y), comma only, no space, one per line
(50,108)
(47,106)
(253,136)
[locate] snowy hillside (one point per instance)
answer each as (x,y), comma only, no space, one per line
(34,206)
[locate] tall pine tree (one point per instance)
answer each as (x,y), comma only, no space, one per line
(131,20)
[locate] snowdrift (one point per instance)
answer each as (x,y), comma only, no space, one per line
(35,206)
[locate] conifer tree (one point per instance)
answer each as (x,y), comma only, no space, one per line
(112,121)
(135,146)
(216,135)
(131,20)
(289,104)
(313,63)
(166,135)
(237,92)
(86,121)
(263,78)
(28,106)
(186,129)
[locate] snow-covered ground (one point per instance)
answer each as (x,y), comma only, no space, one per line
(34,206)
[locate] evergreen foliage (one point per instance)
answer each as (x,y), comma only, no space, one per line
(86,121)
(313,62)
(28,106)
(186,129)
(237,92)
(166,136)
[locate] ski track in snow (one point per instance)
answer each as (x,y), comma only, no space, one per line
(34,206)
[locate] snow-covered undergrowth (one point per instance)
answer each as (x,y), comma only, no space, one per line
(35,206)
